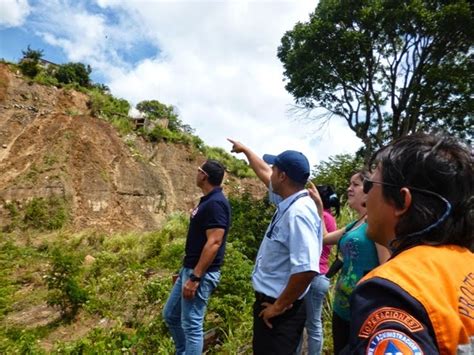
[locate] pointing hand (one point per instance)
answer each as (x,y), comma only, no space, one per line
(237,147)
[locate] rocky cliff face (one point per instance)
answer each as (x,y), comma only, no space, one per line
(51,146)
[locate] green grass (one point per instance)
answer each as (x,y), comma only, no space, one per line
(127,284)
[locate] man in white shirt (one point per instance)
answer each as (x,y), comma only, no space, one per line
(288,257)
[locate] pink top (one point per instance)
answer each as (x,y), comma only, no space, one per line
(331,226)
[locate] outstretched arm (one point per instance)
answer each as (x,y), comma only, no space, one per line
(262,169)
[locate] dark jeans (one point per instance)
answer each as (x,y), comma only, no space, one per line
(340,333)
(284,337)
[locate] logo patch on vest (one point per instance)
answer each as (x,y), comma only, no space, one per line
(389,314)
(194,212)
(392,342)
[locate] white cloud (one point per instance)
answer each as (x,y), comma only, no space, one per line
(219,67)
(13,12)
(217,63)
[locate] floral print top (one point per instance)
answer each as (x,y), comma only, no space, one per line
(360,256)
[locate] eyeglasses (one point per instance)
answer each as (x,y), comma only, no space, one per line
(202,171)
(368,184)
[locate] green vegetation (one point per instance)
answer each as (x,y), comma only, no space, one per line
(388,68)
(124,285)
(250,219)
(155,110)
(63,285)
(29,64)
(236,166)
(73,73)
(127,283)
(337,172)
(165,123)
(43,214)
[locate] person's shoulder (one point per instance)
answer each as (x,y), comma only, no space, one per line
(383,310)
(305,203)
(218,201)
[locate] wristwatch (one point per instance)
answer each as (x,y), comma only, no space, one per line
(194,278)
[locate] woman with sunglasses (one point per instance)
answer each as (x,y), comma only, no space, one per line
(420,202)
(360,255)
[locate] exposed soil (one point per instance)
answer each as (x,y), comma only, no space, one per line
(51,145)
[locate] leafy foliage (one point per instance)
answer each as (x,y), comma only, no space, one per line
(128,283)
(32,54)
(337,172)
(29,68)
(38,213)
(250,218)
(29,63)
(62,281)
(110,108)
(156,110)
(74,73)
(388,68)
(235,166)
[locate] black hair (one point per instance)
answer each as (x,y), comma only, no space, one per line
(440,165)
(215,171)
(329,198)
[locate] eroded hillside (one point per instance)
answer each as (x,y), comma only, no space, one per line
(51,146)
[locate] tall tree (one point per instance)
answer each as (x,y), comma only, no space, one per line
(388,67)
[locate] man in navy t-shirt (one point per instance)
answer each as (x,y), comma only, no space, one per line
(205,246)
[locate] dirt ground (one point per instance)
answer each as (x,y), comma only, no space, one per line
(51,145)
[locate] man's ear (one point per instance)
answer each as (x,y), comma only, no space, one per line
(406,197)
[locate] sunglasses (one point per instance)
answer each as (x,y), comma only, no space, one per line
(202,171)
(368,184)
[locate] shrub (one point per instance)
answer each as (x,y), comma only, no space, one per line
(29,67)
(62,281)
(45,214)
(174,230)
(233,300)
(44,78)
(236,166)
(172,255)
(250,218)
(158,134)
(74,73)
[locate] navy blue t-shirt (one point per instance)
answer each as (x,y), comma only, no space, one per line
(213,211)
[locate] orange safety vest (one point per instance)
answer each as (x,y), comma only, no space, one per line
(441,278)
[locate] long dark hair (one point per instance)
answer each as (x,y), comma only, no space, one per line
(443,167)
(329,198)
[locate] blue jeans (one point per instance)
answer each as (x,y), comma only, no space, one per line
(185,318)
(314,306)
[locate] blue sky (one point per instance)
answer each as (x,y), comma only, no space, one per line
(214,60)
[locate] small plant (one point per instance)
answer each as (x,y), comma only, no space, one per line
(72,112)
(45,78)
(62,280)
(50,159)
(32,174)
(45,214)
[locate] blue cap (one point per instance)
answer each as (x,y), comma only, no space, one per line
(293,163)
